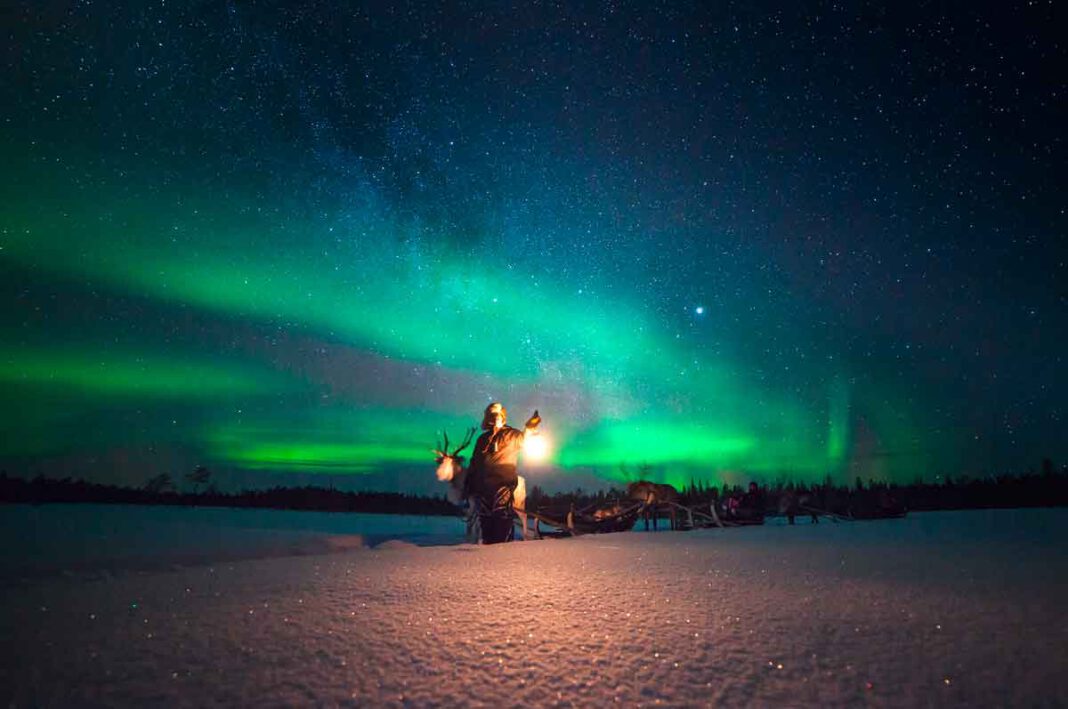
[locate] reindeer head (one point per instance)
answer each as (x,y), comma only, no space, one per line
(450,464)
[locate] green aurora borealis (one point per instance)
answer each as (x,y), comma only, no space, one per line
(224,242)
(430,338)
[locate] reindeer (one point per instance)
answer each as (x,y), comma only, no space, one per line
(451,470)
(653,496)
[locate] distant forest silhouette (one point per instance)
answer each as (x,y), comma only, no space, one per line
(42,490)
(1045,488)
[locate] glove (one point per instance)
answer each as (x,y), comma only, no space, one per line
(534,420)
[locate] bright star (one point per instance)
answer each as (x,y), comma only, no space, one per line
(700,310)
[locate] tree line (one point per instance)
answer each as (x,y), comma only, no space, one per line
(41,490)
(1047,487)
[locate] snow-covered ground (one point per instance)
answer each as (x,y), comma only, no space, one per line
(94,540)
(964,609)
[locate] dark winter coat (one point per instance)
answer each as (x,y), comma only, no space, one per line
(493,463)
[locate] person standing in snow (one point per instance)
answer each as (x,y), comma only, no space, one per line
(752,506)
(492,474)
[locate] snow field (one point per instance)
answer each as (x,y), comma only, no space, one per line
(953,609)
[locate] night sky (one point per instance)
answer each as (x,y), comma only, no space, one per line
(727,241)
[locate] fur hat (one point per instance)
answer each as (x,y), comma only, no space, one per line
(494,408)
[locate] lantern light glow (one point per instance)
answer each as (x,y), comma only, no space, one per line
(536,448)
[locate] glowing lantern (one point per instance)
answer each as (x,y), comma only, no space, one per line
(536,447)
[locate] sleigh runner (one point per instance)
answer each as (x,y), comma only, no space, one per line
(571,522)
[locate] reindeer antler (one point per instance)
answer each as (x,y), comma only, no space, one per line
(442,451)
(466,443)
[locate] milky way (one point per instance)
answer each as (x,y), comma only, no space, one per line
(300,239)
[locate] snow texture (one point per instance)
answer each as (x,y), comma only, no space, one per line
(91,540)
(939,609)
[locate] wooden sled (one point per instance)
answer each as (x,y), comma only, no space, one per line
(574,523)
(699,518)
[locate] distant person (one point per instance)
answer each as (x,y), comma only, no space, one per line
(731,504)
(752,504)
(492,475)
